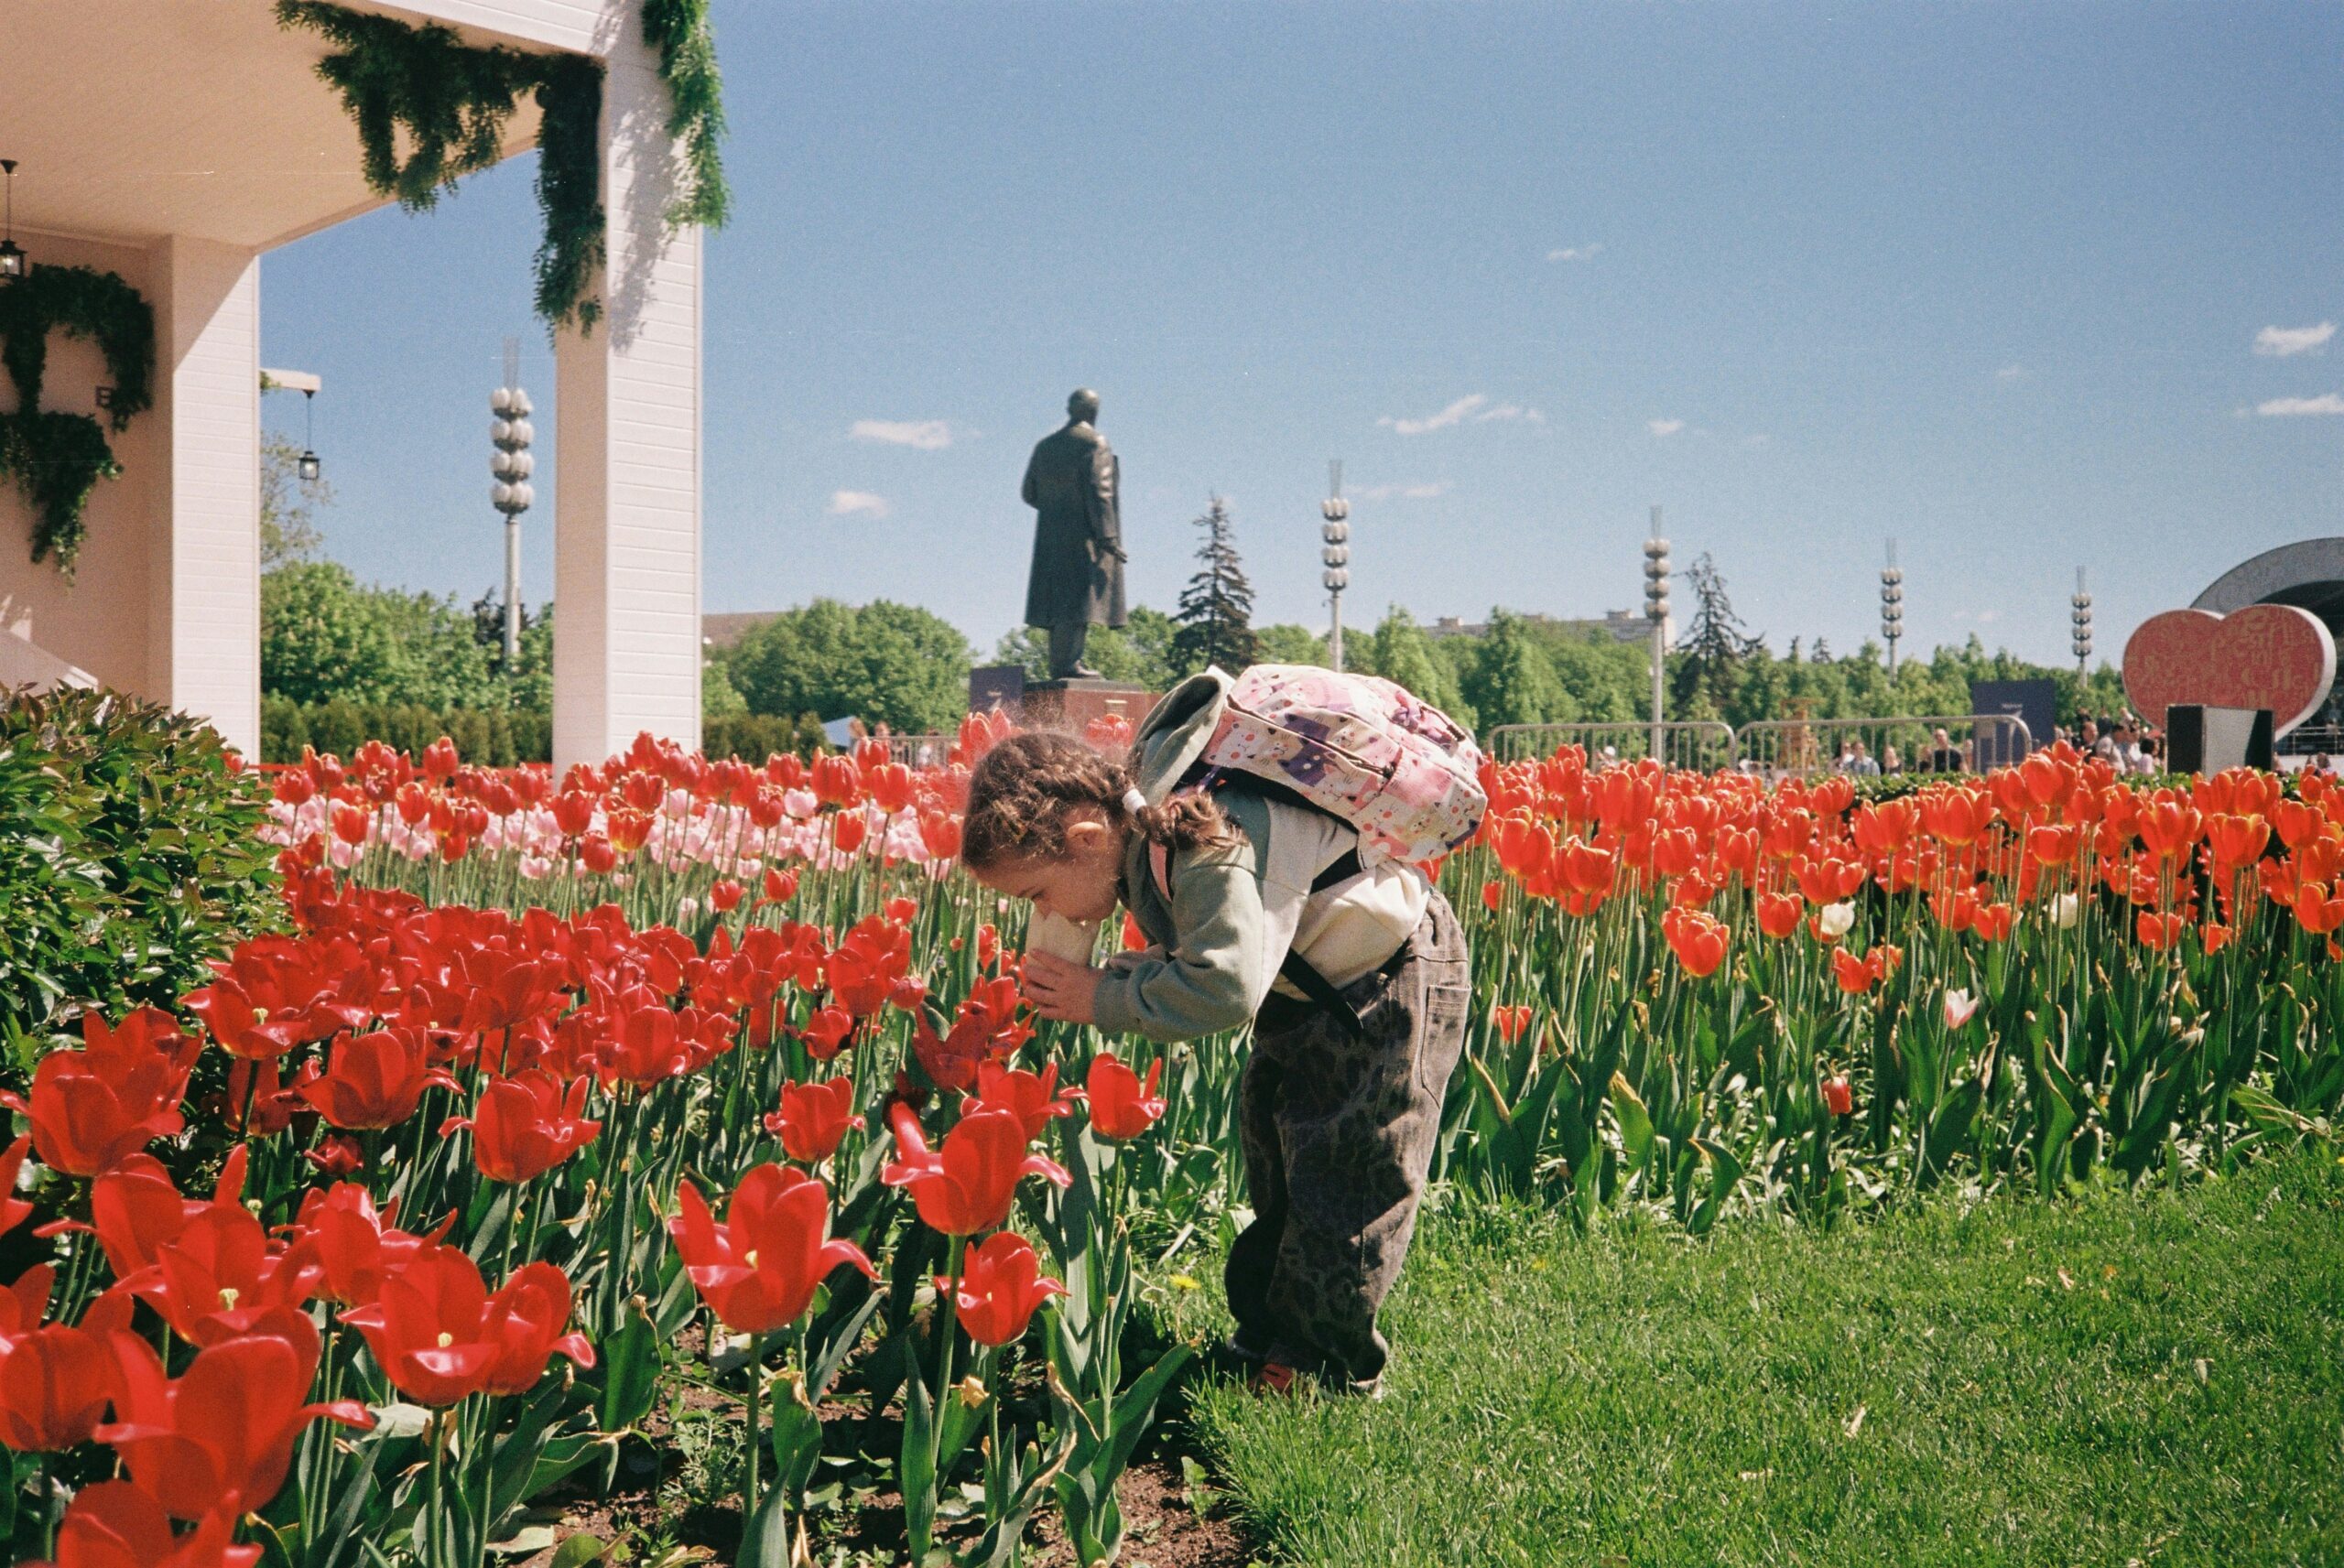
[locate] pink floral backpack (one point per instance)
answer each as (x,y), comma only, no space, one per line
(1358,747)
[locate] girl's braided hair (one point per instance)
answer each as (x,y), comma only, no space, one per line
(1021,789)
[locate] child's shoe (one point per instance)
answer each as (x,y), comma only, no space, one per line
(1275,1377)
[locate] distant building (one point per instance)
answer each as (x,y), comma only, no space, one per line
(724,631)
(1621,626)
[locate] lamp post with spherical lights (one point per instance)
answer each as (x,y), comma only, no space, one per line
(1656,612)
(510,490)
(1335,533)
(1891,606)
(2079,627)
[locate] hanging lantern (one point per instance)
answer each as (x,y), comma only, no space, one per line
(14,263)
(310,466)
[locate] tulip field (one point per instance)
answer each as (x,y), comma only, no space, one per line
(558,1108)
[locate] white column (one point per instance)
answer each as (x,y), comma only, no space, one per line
(203,599)
(627,410)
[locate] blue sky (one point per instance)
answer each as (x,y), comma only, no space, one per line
(1992,279)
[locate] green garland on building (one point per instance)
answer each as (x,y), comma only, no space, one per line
(452,100)
(678,29)
(56,460)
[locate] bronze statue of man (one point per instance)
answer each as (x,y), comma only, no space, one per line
(1073,484)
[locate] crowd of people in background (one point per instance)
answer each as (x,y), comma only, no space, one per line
(2125,742)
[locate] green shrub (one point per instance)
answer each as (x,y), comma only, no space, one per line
(284,729)
(129,856)
(495,737)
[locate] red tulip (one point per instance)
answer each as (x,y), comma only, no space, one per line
(780,887)
(1698,940)
(55,1381)
(826,1032)
(1778,914)
(724,897)
(136,1210)
(1838,1097)
(759,1270)
(847,831)
(813,1118)
(524,1124)
(439,1335)
(93,1108)
(968,1185)
(1032,1098)
(354,1244)
(337,1154)
(375,1080)
(113,1524)
(24,1303)
(526,1319)
(1855,975)
(1119,1107)
(222,1435)
(1000,1287)
(218,1278)
(1510,1022)
(13,1210)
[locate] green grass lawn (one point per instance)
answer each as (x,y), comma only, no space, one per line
(2125,1379)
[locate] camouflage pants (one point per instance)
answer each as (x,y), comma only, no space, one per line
(1339,1134)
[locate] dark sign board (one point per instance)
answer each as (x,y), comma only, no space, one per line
(2034,703)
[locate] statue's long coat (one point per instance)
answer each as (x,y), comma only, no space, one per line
(1075,483)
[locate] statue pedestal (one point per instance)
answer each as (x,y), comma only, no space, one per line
(1072,703)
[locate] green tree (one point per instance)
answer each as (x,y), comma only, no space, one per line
(1217,608)
(1513,681)
(881,662)
(719,698)
(1286,643)
(1715,645)
(1139,654)
(323,637)
(1400,652)
(289,503)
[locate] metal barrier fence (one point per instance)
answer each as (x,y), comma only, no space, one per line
(1939,743)
(1934,743)
(1702,745)
(918,751)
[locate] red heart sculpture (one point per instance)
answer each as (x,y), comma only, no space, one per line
(2266,656)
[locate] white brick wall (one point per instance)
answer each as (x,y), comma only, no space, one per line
(626,535)
(203,601)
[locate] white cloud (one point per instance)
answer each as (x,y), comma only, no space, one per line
(1664,427)
(1401,491)
(1455,414)
(849,502)
(1575,252)
(1510,411)
(2011,373)
(2325,403)
(928,434)
(2281,342)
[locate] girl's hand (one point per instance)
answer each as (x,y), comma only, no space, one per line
(1065,991)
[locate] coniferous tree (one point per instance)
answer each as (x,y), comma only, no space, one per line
(1217,607)
(1714,646)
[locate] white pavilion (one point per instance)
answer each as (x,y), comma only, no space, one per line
(175,141)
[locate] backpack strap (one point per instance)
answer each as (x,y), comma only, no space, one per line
(1296,970)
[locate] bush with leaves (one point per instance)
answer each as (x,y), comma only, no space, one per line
(129,856)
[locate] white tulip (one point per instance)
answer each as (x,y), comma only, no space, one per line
(1836,921)
(2066,910)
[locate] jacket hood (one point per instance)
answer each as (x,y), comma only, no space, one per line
(1176,730)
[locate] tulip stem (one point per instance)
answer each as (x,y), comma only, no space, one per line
(756,1398)
(948,1324)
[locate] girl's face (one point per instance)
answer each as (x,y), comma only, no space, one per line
(1080,885)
